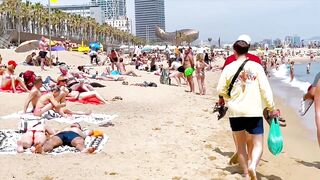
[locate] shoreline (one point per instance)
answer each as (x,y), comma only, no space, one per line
(160,133)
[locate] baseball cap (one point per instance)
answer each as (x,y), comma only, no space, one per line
(12,62)
(245,38)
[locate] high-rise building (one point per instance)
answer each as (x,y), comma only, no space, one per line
(116,9)
(102,4)
(85,11)
(296,41)
(149,14)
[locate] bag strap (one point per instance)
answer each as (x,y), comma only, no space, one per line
(236,76)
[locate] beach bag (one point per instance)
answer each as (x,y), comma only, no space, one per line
(29,77)
(164,77)
(275,139)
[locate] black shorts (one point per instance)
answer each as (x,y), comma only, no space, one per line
(253,125)
(114,60)
(67,137)
(181,69)
(43,54)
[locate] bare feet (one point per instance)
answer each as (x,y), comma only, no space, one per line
(234,159)
(88,112)
(20,147)
(252,174)
(89,150)
(38,148)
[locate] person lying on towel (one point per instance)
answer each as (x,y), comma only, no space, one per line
(72,136)
(35,135)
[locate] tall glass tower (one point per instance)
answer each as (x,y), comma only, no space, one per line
(102,4)
(116,9)
(149,14)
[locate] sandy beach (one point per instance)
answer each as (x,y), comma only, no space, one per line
(161,133)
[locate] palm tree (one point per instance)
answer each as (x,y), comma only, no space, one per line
(35,19)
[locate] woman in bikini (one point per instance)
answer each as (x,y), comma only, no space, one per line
(200,73)
(34,136)
(188,65)
(9,81)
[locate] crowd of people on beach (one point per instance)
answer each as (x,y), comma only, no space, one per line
(243,83)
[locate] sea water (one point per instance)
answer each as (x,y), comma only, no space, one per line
(292,91)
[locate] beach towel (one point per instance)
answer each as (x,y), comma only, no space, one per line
(18,90)
(98,119)
(90,100)
(9,138)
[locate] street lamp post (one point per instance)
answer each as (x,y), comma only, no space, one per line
(49,4)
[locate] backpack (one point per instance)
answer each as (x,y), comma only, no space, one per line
(29,78)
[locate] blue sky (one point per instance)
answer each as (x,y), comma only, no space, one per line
(229,18)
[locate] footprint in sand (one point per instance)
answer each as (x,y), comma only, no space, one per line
(212,158)
(208,146)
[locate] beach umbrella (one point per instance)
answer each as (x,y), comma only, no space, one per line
(58,48)
(146,49)
(27,46)
(94,46)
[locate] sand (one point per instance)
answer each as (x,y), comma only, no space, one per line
(161,133)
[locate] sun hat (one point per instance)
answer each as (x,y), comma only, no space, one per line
(245,38)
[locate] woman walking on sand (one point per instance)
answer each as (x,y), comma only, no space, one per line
(200,73)
(245,97)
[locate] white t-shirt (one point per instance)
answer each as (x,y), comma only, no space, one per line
(175,65)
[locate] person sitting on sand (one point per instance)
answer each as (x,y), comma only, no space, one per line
(72,136)
(35,136)
(10,81)
(48,102)
(31,60)
(122,69)
(34,95)
(97,76)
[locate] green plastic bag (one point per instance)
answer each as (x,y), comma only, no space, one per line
(275,139)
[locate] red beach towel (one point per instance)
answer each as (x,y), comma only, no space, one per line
(90,100)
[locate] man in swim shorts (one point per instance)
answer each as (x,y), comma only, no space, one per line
(72,136)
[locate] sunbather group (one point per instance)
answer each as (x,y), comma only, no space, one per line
(41,139)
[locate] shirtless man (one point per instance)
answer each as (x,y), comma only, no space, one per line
(43,47)
(188,63)
(48,102)
(35,136)
(123,71)
(34,95)
(71,136)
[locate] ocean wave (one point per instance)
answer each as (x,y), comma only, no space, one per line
(283,74)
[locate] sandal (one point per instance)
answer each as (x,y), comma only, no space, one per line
(117,98)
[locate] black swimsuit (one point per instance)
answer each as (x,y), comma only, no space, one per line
(67,137)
